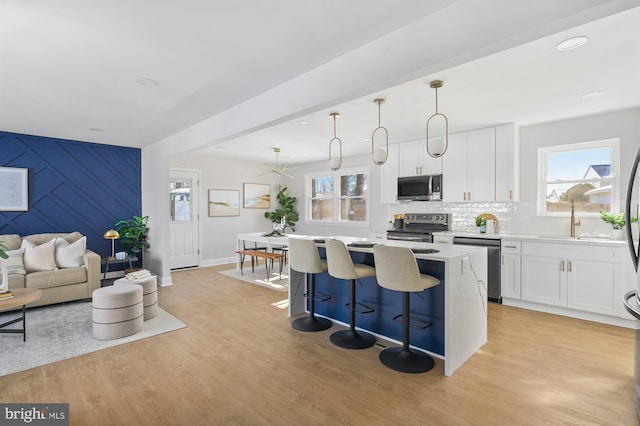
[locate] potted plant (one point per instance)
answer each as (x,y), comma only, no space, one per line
(3,253)
(617,222)
(284,217)
(133,234)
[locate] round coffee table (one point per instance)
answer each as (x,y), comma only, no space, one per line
(22,296)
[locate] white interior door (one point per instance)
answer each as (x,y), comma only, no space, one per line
(184,226)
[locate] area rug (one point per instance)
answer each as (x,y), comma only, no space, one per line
(64,331)
(259,277)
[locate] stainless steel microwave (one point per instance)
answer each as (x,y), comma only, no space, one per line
(420,188)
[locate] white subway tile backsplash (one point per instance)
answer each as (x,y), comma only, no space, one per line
(516,218)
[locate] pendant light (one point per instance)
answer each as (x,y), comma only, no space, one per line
(277,170)
(335,162)
(435,84)
(379,156)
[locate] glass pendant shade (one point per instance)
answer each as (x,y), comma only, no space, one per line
(431,150)
(379,156)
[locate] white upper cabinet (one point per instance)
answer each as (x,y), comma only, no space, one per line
(469,166)
(507,157)
(389,177)
(481,165)
(454,168)
(414,160)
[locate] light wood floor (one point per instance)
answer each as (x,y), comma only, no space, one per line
(239,362)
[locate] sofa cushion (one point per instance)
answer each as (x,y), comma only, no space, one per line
(70,255)
(39,257)
(38,239)
(11,241)
(16,281)
(14,263)
(58,278)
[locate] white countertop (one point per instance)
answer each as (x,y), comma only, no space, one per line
(538,238)
(445,251)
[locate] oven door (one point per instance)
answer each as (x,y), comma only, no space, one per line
(413,237)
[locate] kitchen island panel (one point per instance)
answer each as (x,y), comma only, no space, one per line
(427,305)
(460,300)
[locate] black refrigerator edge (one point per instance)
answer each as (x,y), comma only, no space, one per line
(634,248)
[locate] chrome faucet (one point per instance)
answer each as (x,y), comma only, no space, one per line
(574,222)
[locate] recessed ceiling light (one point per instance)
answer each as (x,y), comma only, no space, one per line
(592,94)
(147,82)
(367,139)
(571,43)
(303,123)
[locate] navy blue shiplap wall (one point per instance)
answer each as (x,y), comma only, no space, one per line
(73,186)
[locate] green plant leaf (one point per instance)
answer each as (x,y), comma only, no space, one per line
(286,210)
(133,233)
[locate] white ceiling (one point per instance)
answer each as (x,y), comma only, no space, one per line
(70,67)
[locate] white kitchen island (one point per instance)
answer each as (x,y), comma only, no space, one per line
(457,307)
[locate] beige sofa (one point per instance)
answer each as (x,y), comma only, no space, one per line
(63,282)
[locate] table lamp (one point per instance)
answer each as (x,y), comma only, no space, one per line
(112,235)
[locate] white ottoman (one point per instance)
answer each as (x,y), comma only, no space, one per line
(117,311)
(149,294)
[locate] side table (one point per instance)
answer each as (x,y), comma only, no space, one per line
(106,262)
(22,296)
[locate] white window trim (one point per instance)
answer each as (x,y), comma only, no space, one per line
(335,220)
(613,144)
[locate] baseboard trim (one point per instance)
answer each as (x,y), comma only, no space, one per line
(566,312)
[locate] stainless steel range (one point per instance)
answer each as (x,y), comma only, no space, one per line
(419,227)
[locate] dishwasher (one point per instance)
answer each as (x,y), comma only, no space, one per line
(493,263)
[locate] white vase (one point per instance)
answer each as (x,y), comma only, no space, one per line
(619,234)
(4,284)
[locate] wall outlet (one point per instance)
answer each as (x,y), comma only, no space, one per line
(466,264)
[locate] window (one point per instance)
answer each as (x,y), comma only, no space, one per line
(341,196)
(585,173)
(321,198)
(180,200)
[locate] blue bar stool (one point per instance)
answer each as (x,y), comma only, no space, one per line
(341,266)
(304,257)
(397,269)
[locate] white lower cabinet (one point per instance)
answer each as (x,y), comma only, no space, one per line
(544,280)
(581,277)
(442,239)
(594,286)
(510,271)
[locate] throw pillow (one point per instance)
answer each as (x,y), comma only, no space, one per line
(70,255)
(14,263)
(39,258)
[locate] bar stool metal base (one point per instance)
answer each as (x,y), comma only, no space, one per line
(410,361)
(352,339)
(310,323)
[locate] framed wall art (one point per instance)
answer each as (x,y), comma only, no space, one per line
(224,202)
(257,196)
(14,190)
